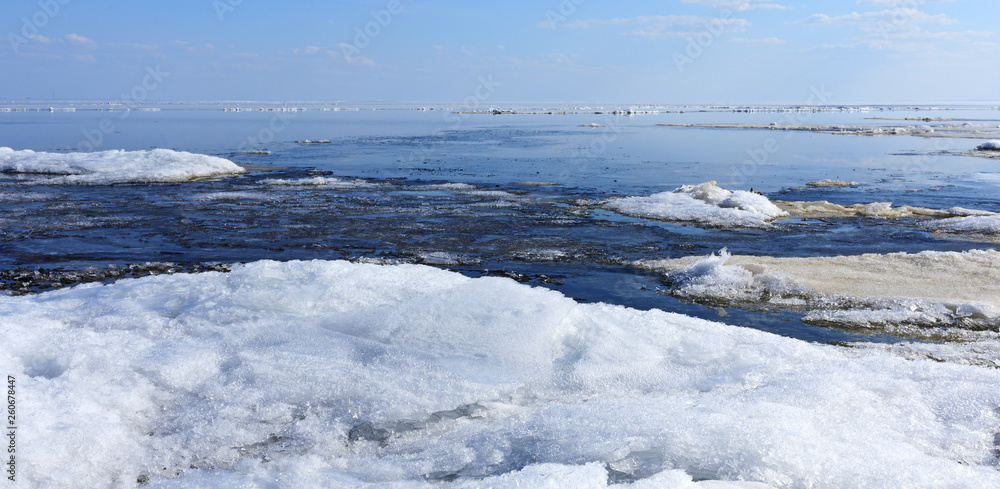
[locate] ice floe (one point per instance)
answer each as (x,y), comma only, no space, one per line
(901,292)
(116,166)
(976,225)
(989,146)
(822,208)
(332,374)
(706,204)
(830,183)
(316,182)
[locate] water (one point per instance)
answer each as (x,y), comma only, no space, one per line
(529,207)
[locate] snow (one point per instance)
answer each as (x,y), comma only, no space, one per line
(823,208)
(329,182)
(706,204)
(989,225)
(830,183)
(922,289)
(116,166)
(989,146)
(333,374)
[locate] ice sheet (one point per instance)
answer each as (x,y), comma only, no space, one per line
(332,374)
(922,289)
(706,204)
(116,166)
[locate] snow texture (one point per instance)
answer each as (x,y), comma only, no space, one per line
(116,166)
(332,374)
(704,204)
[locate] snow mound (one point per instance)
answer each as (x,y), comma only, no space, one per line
(332,374)
(116,166)
(989,146)
(705,204)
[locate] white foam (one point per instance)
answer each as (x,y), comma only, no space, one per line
(117,166)
(705,203)
(331,374)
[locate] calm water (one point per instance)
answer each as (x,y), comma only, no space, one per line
(528,211)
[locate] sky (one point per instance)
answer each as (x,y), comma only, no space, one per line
(591,51)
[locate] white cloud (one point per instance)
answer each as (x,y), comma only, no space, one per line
(666,26)
(764,40)
(85,58)
(308,50)
(899,3)
(78,39)
(891,19)
(740,5)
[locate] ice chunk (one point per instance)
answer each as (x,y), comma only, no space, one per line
(989,146)
(316,182)
(923,289)
(117,166)
(706,203)
(332,374)
(972,225)
(830,183)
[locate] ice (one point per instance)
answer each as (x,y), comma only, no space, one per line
(116,166)
(989,225)
(330,182)
(333,374)
(830,183)
(705,204)
(922,289)
(989,146)
(822,208)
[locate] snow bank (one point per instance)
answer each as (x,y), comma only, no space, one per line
(117,166)
(705,203)
(989,146)
(923,289)
(331,374)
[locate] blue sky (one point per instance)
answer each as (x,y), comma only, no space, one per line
(666,51)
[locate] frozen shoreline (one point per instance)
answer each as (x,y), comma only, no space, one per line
(409,376)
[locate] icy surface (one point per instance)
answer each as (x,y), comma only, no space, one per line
(706,203)
(922,289)
(989,225)
(316,182)
(117,166)
(332,374)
